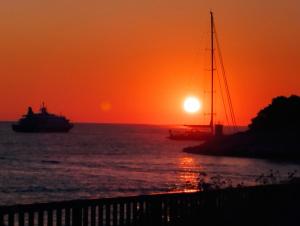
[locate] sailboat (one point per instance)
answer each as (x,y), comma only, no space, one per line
(205,132)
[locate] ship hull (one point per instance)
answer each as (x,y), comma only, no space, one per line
(32,129)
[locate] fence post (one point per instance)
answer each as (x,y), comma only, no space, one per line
(1,219)
(76,216)
(156,210)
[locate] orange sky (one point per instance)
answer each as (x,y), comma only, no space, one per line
(135,61)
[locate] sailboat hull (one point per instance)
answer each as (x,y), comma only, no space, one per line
(190,135)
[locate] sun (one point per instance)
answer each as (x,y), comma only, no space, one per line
(192,104)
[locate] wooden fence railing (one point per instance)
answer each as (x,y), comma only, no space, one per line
(256,204)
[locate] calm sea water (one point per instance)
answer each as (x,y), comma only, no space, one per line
(95,160)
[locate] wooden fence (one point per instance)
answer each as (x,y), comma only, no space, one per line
(262,205)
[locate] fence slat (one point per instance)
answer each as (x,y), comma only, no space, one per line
(31,218)
(1,219)
(122,213)
(128,213)
(147,212)
(11,219)
(107,213)
(76,216)
(21,218)
(142,213)
(58,217)
(165,212)
(115,214)
(67,217)
(134,213)
(100,215)
(50,218)
(93,215)
(41,218)
(85,216)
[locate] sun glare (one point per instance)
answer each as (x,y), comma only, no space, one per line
(192,104)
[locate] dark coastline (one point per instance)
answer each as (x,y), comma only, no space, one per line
(274,146)
(273,134)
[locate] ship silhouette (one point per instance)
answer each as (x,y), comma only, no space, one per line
(42,122)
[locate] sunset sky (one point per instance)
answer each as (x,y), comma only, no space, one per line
(133,61)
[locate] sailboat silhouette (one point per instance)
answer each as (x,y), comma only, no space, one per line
(205,132)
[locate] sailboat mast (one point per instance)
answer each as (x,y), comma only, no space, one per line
(212,71)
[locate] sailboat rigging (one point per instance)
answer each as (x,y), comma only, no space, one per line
(204,132)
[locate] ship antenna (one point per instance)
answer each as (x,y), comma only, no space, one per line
(43,108)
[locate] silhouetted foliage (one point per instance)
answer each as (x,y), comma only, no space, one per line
(274,177)
(283,114)
(216,182)
(213,183)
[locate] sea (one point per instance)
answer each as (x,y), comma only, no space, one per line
(111,160)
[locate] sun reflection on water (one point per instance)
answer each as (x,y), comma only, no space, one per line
(189,174)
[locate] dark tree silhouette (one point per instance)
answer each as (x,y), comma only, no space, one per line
(282,115)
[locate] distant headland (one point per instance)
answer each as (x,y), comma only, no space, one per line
(274,134)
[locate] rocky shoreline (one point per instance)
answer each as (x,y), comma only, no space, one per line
(282,146)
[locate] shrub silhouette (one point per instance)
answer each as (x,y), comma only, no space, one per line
(282,115)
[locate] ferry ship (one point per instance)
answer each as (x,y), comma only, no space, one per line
(42,122)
